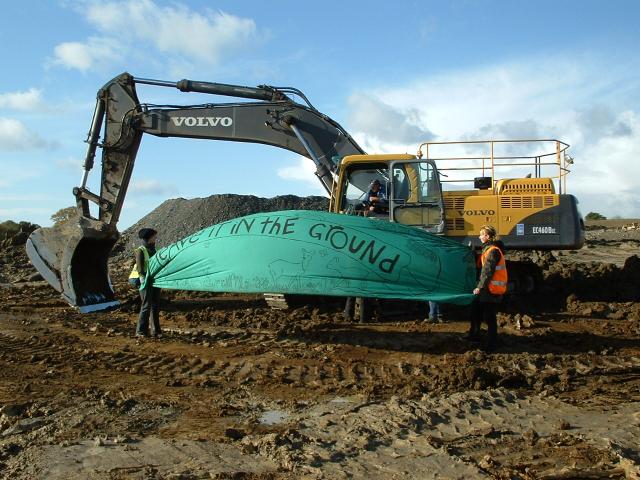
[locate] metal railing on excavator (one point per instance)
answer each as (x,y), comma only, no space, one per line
(488,157)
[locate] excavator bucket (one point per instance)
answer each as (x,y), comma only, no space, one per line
(74,261)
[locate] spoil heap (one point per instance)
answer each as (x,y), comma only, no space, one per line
(589,281)
(14,264)
(596,281)
(179,217)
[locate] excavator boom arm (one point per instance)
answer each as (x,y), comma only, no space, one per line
(276,120)
(76,263)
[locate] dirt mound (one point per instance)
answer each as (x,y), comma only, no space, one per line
(595,281)
(179,217)
(565,279)
(13,234)
(14,264)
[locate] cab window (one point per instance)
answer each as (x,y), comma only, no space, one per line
(415,182)
(358,182)
(416,198)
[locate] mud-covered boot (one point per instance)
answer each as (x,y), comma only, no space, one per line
(492,335)
(473,335)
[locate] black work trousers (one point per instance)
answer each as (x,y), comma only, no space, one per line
(349,308)
(150,306)
(484,312)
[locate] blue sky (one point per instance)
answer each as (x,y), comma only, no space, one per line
(392,73)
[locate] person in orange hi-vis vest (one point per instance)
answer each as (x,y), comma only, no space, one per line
(492,285)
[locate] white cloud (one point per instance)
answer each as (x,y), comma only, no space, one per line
(573,99)
(600,121)
(609,177)
(15,136)
(381,122)
(73,55)
(548,91)
(96,51)
(303,170)
(129,28)
(173,29)
(152,187)
(70,163)
(28,100)
(514,129)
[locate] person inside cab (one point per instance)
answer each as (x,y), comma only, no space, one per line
(377,201)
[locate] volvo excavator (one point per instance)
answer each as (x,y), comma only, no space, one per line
(529,212)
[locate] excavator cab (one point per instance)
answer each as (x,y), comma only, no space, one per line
(411,186)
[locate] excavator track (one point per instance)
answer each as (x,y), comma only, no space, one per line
(277,301)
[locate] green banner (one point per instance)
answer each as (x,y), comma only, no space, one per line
(317,253)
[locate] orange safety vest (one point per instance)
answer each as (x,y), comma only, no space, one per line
(498,283)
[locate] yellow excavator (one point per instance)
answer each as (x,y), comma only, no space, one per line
(532,212)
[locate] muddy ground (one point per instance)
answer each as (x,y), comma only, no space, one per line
(237,391)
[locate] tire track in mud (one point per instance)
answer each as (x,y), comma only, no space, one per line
(14,349)
(325,375)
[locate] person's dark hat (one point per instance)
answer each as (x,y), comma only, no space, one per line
(146,233)
(376,182)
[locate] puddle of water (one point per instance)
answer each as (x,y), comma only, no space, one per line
(341,400)
(272,417)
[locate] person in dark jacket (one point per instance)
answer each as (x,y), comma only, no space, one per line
(491,286)
(149,296)
(376,199)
